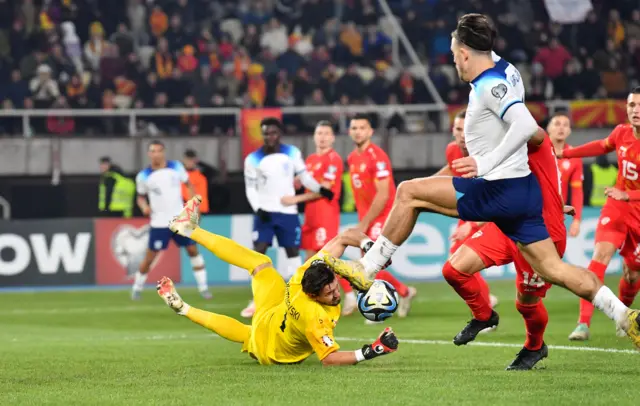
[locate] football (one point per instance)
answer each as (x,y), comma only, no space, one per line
(379,302)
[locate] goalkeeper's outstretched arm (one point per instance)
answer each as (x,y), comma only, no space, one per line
(386,343)
(347,238)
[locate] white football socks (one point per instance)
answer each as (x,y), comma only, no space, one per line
(201,279)
(140,280)
(606,301)
(291,266)
(377,257)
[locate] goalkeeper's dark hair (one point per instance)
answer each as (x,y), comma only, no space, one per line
(272,121)
(316,277)
(325,123)
(476,31)
(461,114)
(635,90)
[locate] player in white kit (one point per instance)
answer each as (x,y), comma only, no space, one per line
(497,185)
(159,188)
(269,174)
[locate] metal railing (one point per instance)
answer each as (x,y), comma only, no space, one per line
(340,112)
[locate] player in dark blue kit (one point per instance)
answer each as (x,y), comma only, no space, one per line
(497,187)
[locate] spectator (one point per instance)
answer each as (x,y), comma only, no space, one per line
(61,65)
(302,86)
(187,62)
(95,46)
(329,84)
(565,85)
(614,81)
(241,62)
(28,14)
(58,124)
(319,62)
(44,89)
(158,21)
(9,125)
(176,35)
(123,39)
(615,28)
(315,99)
(378,87)
(351,84)
(290,61)
(374,43)
(553,58)
(75,89)
(257,86)
(284,90)
(351,38)
(18,40)
(111,65)
(17,90)
(125,91)
(632,28)
(251,40)
(190,123)
(274,38)
(162,61)
(203,88)
(589,79)
(137,14)
(186,11)
(176,88)
(72,45)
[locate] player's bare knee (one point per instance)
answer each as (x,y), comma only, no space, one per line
(406,191)
(465,260)
(603,252)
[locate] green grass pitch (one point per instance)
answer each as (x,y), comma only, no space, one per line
(98,347)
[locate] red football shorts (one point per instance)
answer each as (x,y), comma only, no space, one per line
(313,238)
(496,249)
(618,228)
(460,243)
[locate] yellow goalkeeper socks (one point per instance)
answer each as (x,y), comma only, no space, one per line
(224,326)
(229,251)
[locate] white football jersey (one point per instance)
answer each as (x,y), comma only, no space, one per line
(163,188)
(493,92)
(272,176)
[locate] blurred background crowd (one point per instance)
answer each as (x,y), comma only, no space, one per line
(117,54)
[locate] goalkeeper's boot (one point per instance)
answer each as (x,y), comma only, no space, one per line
(527,359)
(353,271)
(581,333)
(168,293)
(474,327)
(631,324)
(187,220)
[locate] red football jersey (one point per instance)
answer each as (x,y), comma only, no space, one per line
(543,164)
(324,168)
(627,147)
(452,153)
(572,176)
(367,168)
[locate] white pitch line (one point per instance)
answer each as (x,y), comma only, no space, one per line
(108,309)
(497,344)
(184,336)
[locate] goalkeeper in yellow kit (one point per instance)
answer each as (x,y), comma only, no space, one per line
(292,320)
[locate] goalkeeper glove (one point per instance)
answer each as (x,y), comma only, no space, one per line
(367,246)
(386,343)
(326,193)
(264,216)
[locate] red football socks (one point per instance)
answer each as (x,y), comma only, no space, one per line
(401,288)
(472,289)
(586,307)
(346,286)
(535,320)
(628,291)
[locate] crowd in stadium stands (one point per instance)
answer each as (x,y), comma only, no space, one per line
(114,54)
